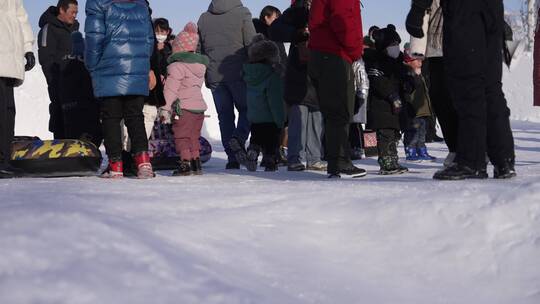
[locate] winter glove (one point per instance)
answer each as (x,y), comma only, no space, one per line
(30,61)
(415,18)
(164,116)
(359,100)
(176,109)
(396,104)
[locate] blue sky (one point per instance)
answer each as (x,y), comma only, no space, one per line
(179,12)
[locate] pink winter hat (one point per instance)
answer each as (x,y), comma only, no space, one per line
(187,40)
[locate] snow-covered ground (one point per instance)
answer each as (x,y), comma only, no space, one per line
(237,237)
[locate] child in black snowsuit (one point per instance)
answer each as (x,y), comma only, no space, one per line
(386,71)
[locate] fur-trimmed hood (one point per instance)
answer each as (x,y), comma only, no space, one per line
(262,50)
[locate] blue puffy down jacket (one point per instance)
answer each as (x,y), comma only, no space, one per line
(119,43)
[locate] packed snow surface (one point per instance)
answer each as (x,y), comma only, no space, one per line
(240,237)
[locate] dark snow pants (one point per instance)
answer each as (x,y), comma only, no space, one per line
(442,103)
(266,135)
(7,119)
(387,142)
(473,41)
(333,80)
(130,109)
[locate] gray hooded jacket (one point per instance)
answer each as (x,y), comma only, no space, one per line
(225,30)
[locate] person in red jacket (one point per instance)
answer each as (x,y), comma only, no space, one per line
(336,41)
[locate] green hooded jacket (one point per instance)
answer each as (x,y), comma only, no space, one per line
(264,94)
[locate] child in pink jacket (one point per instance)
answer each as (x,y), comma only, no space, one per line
(185,104)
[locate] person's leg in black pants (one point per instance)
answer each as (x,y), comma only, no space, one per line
(473,47)
(387,141)
(356,141)
(132,111)
(7,125)
(333,80)
(111,115)
(270,146)
(264,138)
(466,83)
(442,104)
(500,140)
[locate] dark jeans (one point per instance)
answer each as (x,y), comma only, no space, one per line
(7,119)
(473,41)
(333,80)
(387,140)
(267,136)
(130,109)
(227,97)
(442,103)
(415,135)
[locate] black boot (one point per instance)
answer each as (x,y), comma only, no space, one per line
(232,165)
(239,151)
(389,165)
(506,170)
(460,172)
(252,155)
(184,168)
(196,167)
(271,165)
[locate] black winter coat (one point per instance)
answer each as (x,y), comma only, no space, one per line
(262,28)
(287,28)
(387,78)
(54,43)
(155,97)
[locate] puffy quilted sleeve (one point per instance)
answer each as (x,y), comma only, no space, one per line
(150,36)
(173,84)
(28,36)
(95,30)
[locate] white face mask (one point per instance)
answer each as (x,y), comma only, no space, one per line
(393,51)
(161,38)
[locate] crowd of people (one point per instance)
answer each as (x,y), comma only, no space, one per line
(305,109)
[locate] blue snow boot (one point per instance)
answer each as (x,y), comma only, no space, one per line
(424,155)
(412,155)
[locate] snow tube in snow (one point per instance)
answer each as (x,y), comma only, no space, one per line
(55,158)
(163,151)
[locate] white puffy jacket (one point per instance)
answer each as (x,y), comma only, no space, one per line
(16,38)
(431,44)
